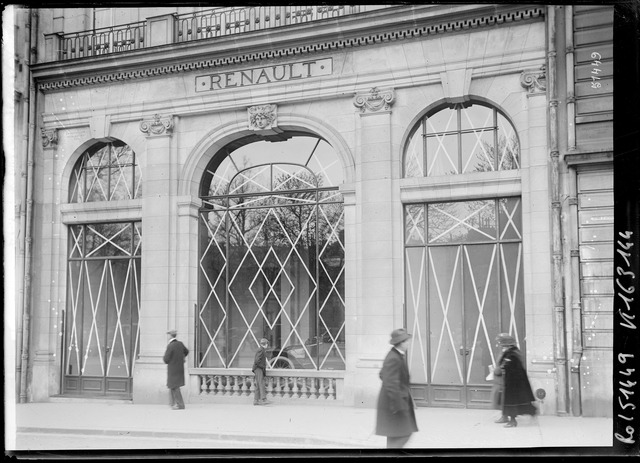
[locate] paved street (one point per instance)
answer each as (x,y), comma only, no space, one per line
(85,425)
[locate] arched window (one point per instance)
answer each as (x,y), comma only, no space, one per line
(108,171)
(271,264)
(101,336)
(473,137)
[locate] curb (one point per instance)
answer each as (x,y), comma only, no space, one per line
(302,441)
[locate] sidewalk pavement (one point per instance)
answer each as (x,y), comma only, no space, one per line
(286,425)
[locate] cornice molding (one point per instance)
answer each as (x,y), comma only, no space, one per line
(435,25)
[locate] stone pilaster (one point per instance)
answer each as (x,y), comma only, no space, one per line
(46,315)
(376,313)
(157,313)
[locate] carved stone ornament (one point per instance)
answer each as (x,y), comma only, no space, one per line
(157,126)
(263,117)
(375,100)
(535,81)
(49,137)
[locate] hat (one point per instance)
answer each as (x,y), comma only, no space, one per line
(399,335)
(172,332)
(264,341)
(504,339)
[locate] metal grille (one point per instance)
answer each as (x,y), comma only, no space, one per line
(106,172)
(472,138)
(463,264)
(272,263)
(102,329)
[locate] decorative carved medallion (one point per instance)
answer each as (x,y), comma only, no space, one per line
(263,117)
(535,80)
(49,138)
(157,126)
(375,100)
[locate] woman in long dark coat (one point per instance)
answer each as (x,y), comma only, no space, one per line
(396,417)
(517,396)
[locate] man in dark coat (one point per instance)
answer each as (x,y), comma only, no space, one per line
(174,358)
(517,396)
(396,417)
(259,369)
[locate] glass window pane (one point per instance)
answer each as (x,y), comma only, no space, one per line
(331,319)
(445,120)
(414,158)
(137,192)
(73,328)
(480,282)
(512,292)
(219,180)
(476,117)
(76,234)
(330,196)
(292,177)
(106,174)
(118,327)
(251,181)
(100,158)
(508,145)
(212,333)
(108,239)
(121,155)
(510,217)
(325,164)
(415,297)
(442,155)
(479,129)
(445,302)
(94,315)
(121,184)
(465,221)
(414,224)
(97,184)
(478,151)
(77,187)
(101,334)
(137,238)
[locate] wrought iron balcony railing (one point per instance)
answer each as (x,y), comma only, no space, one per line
(174,28)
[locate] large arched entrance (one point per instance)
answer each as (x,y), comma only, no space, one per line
(271,255)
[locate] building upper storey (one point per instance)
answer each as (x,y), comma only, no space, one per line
(71,53)
(89,32)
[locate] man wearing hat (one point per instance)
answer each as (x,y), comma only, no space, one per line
(259,368)
(396,417)
(174,357)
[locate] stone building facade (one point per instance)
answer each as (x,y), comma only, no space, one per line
(317,176)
